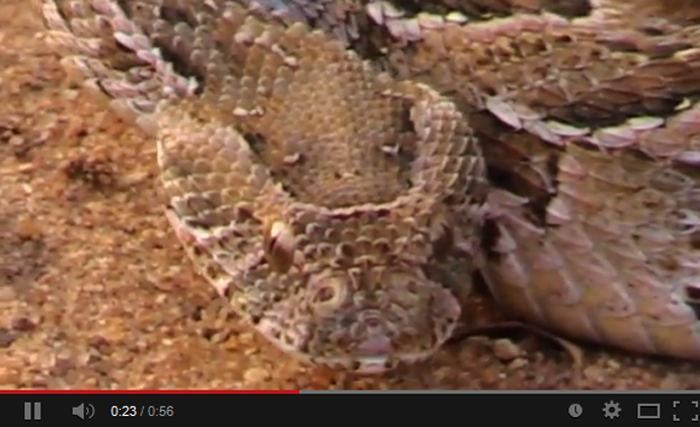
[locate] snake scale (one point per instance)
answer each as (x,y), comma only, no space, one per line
(341,169)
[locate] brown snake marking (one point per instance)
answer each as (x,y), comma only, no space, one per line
(342,209)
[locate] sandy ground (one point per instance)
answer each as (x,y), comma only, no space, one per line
(95,291)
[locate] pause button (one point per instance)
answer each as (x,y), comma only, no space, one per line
(32,411)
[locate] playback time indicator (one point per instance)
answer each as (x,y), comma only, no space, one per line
(150,411)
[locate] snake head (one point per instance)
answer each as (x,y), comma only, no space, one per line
(365,320)
(359,294)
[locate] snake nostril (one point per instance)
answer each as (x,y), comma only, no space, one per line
(373,323)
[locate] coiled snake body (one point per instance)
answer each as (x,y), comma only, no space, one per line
(339,169)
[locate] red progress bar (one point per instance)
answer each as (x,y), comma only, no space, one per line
(149,391)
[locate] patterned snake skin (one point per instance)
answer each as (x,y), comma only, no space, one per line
(340,169)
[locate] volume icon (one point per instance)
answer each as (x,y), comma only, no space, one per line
(81,411)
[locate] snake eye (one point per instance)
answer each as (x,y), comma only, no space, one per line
(327,294)
(280,246)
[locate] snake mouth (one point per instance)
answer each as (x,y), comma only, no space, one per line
(372,365)
(371,357)
(377,356)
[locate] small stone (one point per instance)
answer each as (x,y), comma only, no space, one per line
(255,376)
(61,366)
(246,338)
(98,342)
(517,363)
(670,382)
(505,350)
(70,94)
(28,228)
(7,337)
(489,375)
(8,376)
(7,293)
(613,364)
(23,324)
(19,145)
(594,373)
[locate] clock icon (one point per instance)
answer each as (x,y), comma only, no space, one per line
(692,408)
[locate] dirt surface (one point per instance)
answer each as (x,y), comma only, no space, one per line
(95,291)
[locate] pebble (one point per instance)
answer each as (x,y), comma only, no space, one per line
(613,364)
(594,373)
(70,94)
(505,350)
(517,363)
(246,339)
(23,324)
(255,376)
(7,337)
(670,382)
(98,342)
(28,228)
(7,293)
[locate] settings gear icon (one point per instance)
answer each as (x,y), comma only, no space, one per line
(611,409)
